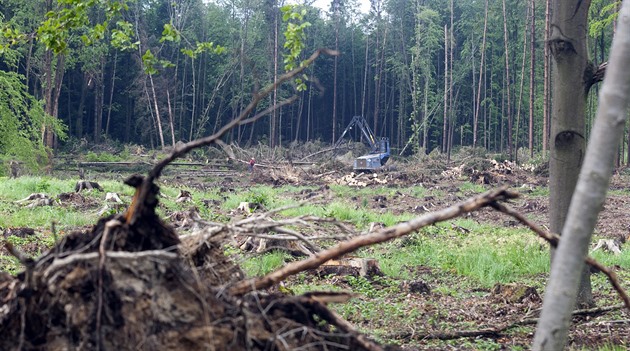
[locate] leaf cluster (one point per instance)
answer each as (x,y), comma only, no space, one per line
(21,120)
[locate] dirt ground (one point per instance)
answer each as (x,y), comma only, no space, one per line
(155,302)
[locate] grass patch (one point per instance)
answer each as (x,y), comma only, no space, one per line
(261,265)
(508,255)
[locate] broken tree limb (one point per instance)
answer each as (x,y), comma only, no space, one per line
(383,235)
(554,239)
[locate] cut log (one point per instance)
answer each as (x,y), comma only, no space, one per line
(355,266)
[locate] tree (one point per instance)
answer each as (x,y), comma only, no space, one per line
(570,88)
(563,288)
(21,115)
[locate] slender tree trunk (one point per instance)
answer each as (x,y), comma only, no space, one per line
(564,284)
(273,133)
(449,144)
(445,121)
(194,101)
(111,94)
(520,93)
(365,75)
(547,67)
(170,117)
(531,80)
(481,70)
(158,120)
(508,86)
(336,63)
(99,92)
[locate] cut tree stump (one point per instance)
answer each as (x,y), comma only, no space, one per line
(87,185)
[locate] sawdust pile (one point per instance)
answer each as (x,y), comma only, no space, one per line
(135,286)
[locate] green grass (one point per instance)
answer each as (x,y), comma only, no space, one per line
(487,255)
(471,188)
(261,265)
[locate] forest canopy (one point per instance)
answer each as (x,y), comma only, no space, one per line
(427,74)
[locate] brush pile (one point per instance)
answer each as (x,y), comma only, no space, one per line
(131,283)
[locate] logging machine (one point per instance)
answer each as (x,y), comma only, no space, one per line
(379,148)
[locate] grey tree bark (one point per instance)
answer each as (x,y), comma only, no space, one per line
(571,83)
(562,290)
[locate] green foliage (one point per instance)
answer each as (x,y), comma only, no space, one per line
(294,39)
(604,18)
(22,118)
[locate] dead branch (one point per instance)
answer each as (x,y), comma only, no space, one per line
(553,240)
(144,189)
(383,235)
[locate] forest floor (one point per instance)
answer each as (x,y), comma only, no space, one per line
(472,283)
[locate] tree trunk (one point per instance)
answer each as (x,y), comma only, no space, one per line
(273,133)
(445,121)
(336,63)
(531,80)
(158,120)
(568,48)
(170,117)
(111,94)
(546,102)
(590,193)
(507,86)
(520,93)
(481,68)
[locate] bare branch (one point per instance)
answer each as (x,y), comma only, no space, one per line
(383,235)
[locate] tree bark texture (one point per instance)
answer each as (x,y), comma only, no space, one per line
(591,189)
(571,83)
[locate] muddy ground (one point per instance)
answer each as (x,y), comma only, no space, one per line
(499,318)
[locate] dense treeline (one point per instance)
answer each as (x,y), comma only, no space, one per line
(428,74)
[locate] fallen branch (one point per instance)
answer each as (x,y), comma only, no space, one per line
(383,235)
(553,240)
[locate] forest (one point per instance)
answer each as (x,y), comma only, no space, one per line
(505,119)
(430,75)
